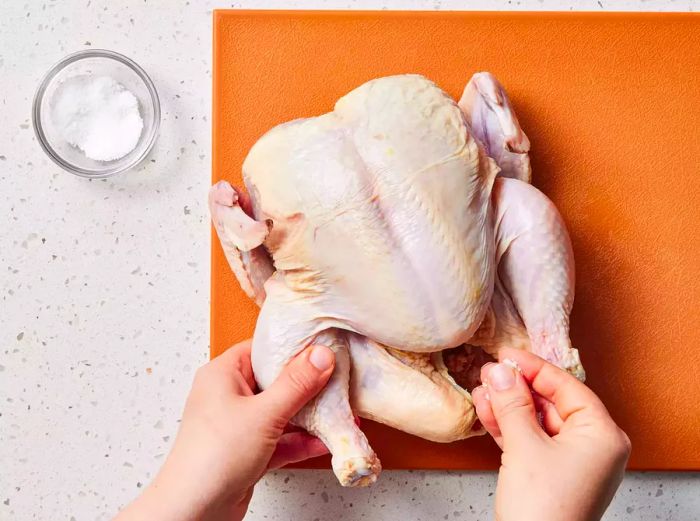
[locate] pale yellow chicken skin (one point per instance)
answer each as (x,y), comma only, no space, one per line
(380,230)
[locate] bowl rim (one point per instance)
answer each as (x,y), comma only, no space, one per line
(39,96)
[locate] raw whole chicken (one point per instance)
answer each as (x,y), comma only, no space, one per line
(401,231)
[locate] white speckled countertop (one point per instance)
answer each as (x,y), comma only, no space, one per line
(105,286)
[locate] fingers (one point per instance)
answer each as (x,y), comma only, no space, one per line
(551,421)
(546,413)
(234,364)
(232,357)
(482,405)
(301,379)
(568,395)
(485,370)
(512,406)
(296,446)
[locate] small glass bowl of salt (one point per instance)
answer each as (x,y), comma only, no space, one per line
(96,113)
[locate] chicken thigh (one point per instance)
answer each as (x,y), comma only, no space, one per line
(379,229)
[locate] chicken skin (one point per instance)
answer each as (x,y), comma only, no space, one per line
(394,229)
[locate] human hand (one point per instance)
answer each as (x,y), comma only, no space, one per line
(569,467)
(230,436)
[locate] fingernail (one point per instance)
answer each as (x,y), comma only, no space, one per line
(501,377)
(321,357)
(487,367)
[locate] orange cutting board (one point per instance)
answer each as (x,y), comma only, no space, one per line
(611,103)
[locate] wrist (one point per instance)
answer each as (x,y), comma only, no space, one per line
(180,494)
(157,503)
(173,496)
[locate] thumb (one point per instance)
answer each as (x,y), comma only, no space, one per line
(300,380)
(512,406)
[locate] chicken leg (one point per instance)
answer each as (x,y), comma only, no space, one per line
(328,416)
(535,277)
(397,387)
(285,327)
(534,284)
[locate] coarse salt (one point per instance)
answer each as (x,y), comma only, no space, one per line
(97,115)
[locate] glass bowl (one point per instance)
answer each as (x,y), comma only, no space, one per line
(101,63)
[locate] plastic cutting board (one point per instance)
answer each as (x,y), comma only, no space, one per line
(611,103)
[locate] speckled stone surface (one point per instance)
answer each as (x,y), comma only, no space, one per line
(104,288)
